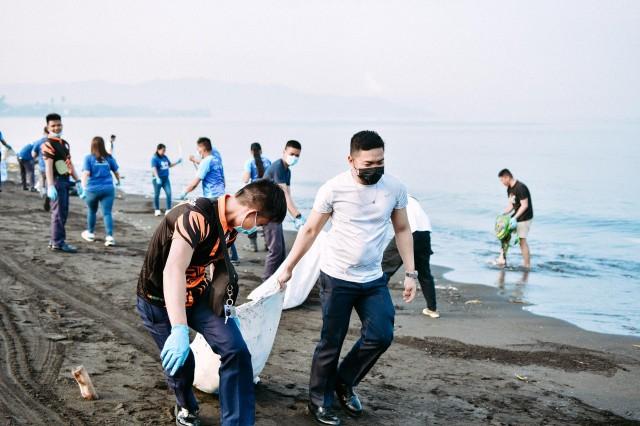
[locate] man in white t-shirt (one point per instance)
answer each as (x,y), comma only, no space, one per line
(360,203)
(421,231)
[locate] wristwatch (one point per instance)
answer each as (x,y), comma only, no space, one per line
(413,275)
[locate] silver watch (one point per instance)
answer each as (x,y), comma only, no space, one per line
(413,275)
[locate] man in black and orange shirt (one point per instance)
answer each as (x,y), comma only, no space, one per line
(58,165)
(174,294)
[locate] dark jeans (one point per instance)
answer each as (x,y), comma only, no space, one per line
(104,198)
(391,262)
(374,306)
(237,397)
(166,186)
(27,170)
(60,211)
(274,238)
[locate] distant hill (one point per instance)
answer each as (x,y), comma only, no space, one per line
(220,100)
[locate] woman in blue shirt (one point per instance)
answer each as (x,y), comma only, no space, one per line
(160,165)
(255,166)
(98,189)
(254,169)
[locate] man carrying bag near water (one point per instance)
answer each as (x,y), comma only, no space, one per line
(174,294)
(360,203)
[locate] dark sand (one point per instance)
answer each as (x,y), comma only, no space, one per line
(481,363)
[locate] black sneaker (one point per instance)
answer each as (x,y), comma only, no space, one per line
(185,417)
(66,248)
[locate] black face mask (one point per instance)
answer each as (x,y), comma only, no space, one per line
(370,175)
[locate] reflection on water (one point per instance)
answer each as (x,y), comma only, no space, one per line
(514,292)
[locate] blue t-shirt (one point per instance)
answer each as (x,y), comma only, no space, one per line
(25,153)
(37,145)
(162,164)
(278,173)
(99,172)
(211,173)
(251,168)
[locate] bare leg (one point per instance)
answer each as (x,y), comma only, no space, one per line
(526,256)
(502,259)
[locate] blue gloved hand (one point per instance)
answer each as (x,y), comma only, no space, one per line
(52,192)
(179,161)
(117,184)
(157,180)
(299,222)
(182,196)
(513,223)
(80,191)
(176,349)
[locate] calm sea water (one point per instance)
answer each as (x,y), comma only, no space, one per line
(584,181)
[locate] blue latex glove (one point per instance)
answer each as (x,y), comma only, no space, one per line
(179,161)
(52,192)
(80,191)
(513,223)
(117,184)
(157,180)
(299,222)
(182,196)
(176,349)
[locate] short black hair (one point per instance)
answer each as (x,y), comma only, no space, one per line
(160,146)
(266,197)
(206,142)
(366,140)
(505,172)
(53,117)
(113,136)
(293,144)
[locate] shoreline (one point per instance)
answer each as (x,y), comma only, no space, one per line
(488,361)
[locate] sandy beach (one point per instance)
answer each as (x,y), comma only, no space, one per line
(486,361)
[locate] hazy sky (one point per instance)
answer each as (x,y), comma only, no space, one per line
(527,59)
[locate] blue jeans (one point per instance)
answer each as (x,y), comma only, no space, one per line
(237,393)
(104,197)
(166,186)
(374,306)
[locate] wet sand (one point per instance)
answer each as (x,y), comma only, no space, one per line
(486,361)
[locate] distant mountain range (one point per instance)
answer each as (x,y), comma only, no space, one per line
(198,98)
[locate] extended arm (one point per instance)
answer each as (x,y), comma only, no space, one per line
(291,205)
(193,185)
(175,283)
(524,205)
(404,241)
(306,236)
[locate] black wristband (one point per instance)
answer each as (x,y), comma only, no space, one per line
(299,216)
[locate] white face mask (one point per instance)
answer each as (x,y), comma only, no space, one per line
(55,135)
(292,160)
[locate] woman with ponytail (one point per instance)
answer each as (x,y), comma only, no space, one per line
(255,166)
(254,169)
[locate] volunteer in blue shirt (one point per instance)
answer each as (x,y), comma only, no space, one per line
(3,142)
(160,165)
(255,166)
(254,169)
(36,153)
(210,171)
(280,173)
(98,189)
(25,160)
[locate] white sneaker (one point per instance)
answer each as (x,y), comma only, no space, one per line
(109,241)
(88,236)
(431,314)
(157,213)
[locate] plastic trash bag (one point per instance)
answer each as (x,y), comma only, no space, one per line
(304,276)
(258,321)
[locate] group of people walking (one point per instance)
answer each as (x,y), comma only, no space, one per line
(175,292)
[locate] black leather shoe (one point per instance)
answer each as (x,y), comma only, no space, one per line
(323,415)
(349,400)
